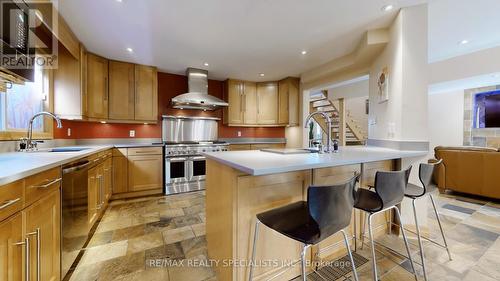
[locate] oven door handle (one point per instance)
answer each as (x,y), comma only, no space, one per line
(178,159)
(197,158)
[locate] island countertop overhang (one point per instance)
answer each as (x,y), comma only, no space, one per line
(257,163)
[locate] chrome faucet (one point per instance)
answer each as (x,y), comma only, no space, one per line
(30,144)
(329,147)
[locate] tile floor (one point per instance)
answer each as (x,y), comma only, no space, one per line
(133,234)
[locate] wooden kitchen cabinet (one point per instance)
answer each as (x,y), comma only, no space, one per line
(249,103)
(145,172)
(121,90)
(97,87)
(234,96)
(146,93)
(108,179)
(11,254)
(120,171)
(288,101)
(43,227)
(94,181)
(267,103)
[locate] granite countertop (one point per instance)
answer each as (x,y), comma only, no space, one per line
(18,165)
(255,162)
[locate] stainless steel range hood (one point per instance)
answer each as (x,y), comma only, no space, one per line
(197,96)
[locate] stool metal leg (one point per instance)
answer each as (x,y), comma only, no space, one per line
(355,233)
(354,272)
(363,230)
(406,241)
(440,227)
(374,261)
(413,202)
(303,262)
(254,249)
(389,229)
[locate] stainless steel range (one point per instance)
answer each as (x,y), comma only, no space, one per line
(186,139)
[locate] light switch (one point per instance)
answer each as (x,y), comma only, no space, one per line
(69,132)
(132,133)
(239,133)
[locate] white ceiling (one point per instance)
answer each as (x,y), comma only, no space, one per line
(238,38)
(451,21)
(242,38)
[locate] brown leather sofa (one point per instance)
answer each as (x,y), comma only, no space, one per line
(473,170)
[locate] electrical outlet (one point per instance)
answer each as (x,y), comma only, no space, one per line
(239,133)
(69,132)
(131,133)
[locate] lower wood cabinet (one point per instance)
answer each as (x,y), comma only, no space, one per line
(43,227)
(137,171)
(11,254)
(144,173)
(255,146)
(100,180)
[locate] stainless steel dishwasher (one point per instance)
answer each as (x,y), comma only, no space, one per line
(74,204)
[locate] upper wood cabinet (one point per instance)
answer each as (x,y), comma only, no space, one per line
(254,104)
(146,93)
(97,87)
(267,103)
(288,110)
(121,90)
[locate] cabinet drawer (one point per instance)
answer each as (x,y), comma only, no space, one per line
(235,147)
(41,184)
(11,199)
(137,151)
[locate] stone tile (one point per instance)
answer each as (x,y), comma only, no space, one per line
(195,209)
(164,252)
(128,233)
(190,273)
(472,235)
(100,238)
(194,247)
(178,234)
(172,213)
(122,266)
(86,273)
(459,209)
(153,274)
(477,276)
(104,252)
(145,242)
(186,220)
(161,225)
(199,229)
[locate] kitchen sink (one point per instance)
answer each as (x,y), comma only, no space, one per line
(291,150)
(68,149)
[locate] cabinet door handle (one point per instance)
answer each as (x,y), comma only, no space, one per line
(36,233)
(9,203)
(47,184)
(145,151)
(26,244)
(105,89)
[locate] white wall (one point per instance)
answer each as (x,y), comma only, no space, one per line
(446,119)
(404,116)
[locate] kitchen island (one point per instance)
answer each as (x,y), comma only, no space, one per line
(241,184)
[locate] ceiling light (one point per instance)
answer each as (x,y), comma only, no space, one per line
(130,50)
(463,42)
(387,8)
(103,122)
(303,52)
(145,123)
(119,1)
(205,64)
(261,74)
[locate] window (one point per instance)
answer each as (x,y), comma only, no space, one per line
(20,102)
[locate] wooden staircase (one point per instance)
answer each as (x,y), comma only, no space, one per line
(344,128)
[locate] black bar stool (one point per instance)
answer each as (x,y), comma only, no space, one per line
(389,192)
(414,192)
(327,211)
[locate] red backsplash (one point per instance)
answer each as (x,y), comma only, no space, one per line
(169,86)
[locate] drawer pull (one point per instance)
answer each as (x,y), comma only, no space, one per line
(47,184)
(9,203)
(146,151)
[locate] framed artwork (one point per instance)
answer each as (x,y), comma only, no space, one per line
(383,85)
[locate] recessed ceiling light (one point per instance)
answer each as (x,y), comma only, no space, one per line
(387,8)
(119,1)
(205,64)
(303,52)
(261,74)
(463,42)
(130,50)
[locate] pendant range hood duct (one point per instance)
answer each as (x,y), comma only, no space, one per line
(197,96)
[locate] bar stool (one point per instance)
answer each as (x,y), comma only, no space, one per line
(389,192)
(414,192)
(327,211)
